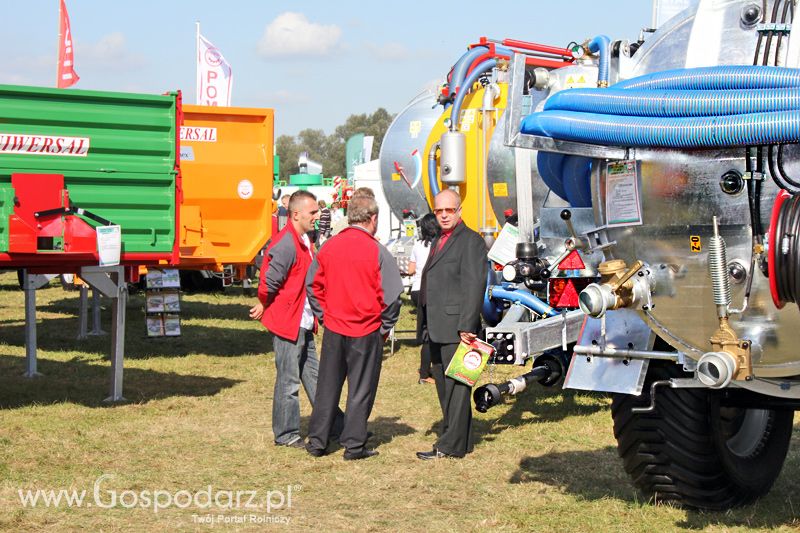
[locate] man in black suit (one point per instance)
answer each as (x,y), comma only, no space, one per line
(451,294)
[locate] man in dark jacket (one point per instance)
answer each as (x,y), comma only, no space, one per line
(283,308)
(451,293)
(354,288)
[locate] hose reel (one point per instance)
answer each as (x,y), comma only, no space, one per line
(784,250)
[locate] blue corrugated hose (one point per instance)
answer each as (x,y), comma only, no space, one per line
(747,105)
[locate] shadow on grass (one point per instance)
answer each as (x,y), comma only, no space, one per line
(58,334)
(384,428)
(78,382)
(70,305)
(546,405)
(599,475)
(591,475)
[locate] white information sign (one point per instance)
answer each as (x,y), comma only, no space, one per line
(109,244)
(504,249)
(623,205)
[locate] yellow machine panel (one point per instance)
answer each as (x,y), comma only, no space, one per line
(477,125)
(226,169)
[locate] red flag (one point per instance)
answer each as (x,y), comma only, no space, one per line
(66,63)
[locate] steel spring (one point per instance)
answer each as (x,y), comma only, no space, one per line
(785,252)
(718,267)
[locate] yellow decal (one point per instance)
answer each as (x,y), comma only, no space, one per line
(467,119)
(570,80)
(581,80)
(395,176)
(500,189)
(414,127)
(695,244)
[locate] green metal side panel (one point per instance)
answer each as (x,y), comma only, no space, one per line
(6,209)
(127,175)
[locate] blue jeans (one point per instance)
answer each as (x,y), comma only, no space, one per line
(294,361)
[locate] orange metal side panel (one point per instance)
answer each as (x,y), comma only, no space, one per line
(226,165)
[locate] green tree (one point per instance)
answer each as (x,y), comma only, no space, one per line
(329,150)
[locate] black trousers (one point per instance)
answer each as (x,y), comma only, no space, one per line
(455,399)
(357,359)
(425,350)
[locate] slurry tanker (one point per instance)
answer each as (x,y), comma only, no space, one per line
(679,169)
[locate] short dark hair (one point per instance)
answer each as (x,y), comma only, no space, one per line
(297,197)
(361,208)
(428,228)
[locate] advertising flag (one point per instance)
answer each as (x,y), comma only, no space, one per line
(214,74)
(66,76)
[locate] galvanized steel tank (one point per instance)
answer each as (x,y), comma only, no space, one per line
(408,132)
(680,193)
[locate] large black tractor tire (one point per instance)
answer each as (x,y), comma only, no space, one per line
(693,452)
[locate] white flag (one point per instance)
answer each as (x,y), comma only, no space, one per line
(214,75)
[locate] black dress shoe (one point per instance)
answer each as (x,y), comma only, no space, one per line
(363,454)
(314,452)
(435,454)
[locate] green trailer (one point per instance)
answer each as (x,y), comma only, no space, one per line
(73,160)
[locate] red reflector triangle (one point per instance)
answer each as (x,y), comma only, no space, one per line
(569,297)
(572,262)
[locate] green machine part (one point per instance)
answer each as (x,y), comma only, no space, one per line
(116,151)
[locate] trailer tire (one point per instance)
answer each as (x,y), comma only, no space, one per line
(693,452)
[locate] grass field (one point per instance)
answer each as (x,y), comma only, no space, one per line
(197,422)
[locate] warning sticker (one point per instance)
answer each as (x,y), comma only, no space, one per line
(500,190)
(245,189)
(414,127)
(694,244)
(467,119)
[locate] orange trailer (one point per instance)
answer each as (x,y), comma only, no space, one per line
(226,164)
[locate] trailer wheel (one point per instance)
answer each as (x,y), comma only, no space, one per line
(693,452)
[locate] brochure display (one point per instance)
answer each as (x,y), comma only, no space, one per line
(163,303)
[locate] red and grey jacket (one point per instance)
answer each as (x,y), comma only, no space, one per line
(354,284)
(282,288)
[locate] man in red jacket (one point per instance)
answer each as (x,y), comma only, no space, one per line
(283,308)
(354,287)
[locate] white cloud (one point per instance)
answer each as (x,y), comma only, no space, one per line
(110,52)
(293,35)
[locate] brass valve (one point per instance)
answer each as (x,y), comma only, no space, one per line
(727,341)
(615,290)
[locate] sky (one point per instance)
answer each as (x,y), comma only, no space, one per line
(314,62)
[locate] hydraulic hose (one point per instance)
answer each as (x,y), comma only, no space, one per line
(476,73)
(461,66)
(551,167)
(568,176)
(600,44)
(577,180)
(674,103)
(720,78)
(693,132)
(701,108)
(433,178)
(523,298)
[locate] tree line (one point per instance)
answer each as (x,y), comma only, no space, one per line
(329,150)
